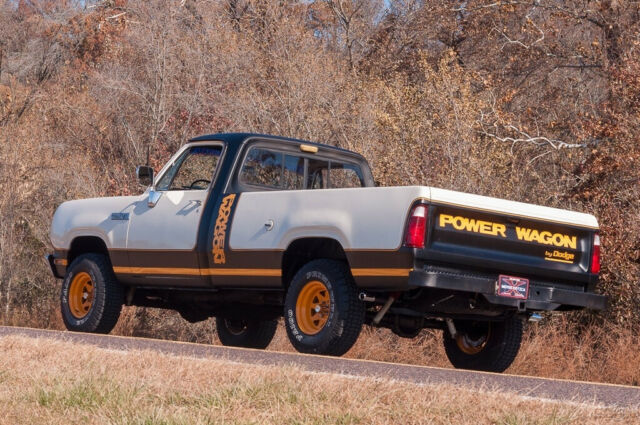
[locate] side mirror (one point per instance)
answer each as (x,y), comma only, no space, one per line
(145,175)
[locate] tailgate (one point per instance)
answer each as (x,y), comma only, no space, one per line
(506,243)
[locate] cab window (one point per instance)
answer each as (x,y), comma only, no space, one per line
(193,170)
(317,174)
(262,167)
(293,177)
(345,175)
(282,170)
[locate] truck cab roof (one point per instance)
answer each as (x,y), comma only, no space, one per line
(238,145)
(237,139)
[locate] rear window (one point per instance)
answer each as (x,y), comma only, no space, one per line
(279,170)
(346,175)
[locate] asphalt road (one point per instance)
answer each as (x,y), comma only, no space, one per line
(552,389)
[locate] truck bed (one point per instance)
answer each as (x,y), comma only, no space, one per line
(465,231)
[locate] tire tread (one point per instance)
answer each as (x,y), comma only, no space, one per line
(341,338)
(259,334)
(104,315)
(496,358)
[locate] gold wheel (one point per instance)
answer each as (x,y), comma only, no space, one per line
(471,345)
(80,295)
(312,307)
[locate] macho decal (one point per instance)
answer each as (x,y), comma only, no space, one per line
(497,229)
(220,231)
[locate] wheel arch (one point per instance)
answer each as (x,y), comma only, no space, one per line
(301,251)
(87,244)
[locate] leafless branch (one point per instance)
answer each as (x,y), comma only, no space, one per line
(486,6)
(116,16)
(523,137)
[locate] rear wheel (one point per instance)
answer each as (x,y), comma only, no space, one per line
(246,333)
(323,314)
(486,346)
(91,298)
(193,315)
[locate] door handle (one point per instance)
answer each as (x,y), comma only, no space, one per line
(269,224)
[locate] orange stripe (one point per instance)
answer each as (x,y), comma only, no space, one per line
(157,270)
(559,261)
(381,272)
(198,272)
(248,272)
(242,272)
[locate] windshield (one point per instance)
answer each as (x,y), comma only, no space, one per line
(192,170)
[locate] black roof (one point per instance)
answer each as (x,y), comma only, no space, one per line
(237,139)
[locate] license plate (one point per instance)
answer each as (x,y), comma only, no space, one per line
(513,287)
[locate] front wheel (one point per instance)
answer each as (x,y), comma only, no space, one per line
(246,333)
(322,312)
(486,346)
(91,298)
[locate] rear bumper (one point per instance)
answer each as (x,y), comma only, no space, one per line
(541,296)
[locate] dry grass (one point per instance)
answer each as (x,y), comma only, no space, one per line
(555,348)
(53,382)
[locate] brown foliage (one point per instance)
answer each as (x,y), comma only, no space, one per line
(534,101)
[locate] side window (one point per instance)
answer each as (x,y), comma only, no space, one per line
(193,170)
(293,178)
(346,175)
(262,167)
(288,171)
(317,174)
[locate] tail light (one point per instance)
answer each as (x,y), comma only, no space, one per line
(417,227)
(595,255)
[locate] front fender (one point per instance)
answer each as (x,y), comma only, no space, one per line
(92,217)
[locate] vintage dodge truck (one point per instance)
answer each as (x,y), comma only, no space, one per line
(248,228)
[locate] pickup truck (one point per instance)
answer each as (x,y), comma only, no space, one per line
(249,228)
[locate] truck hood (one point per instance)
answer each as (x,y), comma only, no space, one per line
(89,217)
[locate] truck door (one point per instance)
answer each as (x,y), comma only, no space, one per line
(161,243)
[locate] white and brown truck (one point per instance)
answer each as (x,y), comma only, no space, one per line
(249,228)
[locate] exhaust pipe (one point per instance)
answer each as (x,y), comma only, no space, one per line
(362,296)
(535,317)
(383,311)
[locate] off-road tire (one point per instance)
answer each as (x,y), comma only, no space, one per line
(193,315)
(496,355)
(346,313)
(108,295)
(246,333)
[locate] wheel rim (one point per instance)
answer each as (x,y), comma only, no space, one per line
(235,327)
(473,342)
(80,295)
(312,307)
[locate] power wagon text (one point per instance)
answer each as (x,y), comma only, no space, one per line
(497,229)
